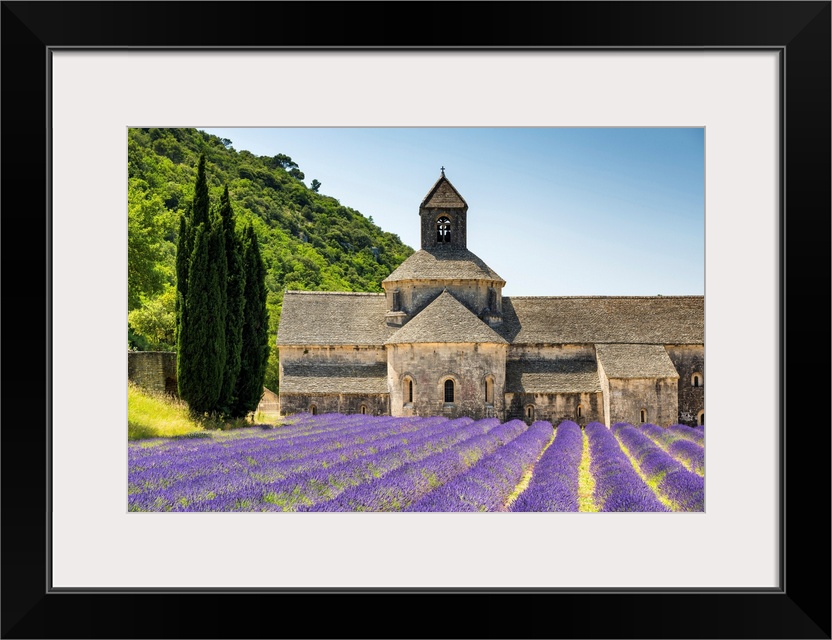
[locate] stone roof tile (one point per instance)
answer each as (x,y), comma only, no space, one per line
(605,319)
(331,318)
(443,263)
(635,361)
(445,319)
(333,378)
(562,375)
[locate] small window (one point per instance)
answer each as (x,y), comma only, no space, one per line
(407,390)
(313,409)
(489,390)
(643,415)
(449,390)
(530,412)
(700,419)
(580,411)
(697,380)
(363,409)
(443,230)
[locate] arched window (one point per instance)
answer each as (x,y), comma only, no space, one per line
(489,390)
(449,390)
(700,418)
(697,380)
(363,409)
(579,411)
(443,230)
(643,415)
(313,409)
(407,390)
(530,412)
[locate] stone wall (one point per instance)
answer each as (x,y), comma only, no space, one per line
(374,404)
(415,295)
(153,370)
(555,407)
(605,390)
(339,354)
(551,351)
(657,396)
(689,360)
(430,364)
(459,227)
(269,403)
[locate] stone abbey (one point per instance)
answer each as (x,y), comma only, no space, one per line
(443,340)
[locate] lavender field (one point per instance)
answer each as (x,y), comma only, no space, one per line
(337,463)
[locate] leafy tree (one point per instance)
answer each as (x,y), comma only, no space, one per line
(283,161)
(307,240)
(146,275)
(315,185)
(235,292)
(156,322)
(297,173)
(255,347)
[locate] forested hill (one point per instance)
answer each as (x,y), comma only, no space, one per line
(308,240)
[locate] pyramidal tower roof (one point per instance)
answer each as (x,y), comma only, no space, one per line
(443,195)
(445,319)
(457,264)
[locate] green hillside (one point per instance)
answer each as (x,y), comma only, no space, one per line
(309,241)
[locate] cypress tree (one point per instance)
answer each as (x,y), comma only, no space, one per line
(183,256)
(201,348)
(235,292)
(201,271)
(195,214)
(200,213)
(255,345)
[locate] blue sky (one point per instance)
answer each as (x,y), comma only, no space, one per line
(554,211)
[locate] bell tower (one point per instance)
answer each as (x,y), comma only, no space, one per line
(443,213)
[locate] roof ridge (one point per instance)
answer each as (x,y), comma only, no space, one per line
(603,297)
(335,293)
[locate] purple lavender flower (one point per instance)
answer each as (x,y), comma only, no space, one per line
(199,474)
(554,483)
(672,481)
(617,485)
(694,435)
(397,490)
(690,454)
(488,484)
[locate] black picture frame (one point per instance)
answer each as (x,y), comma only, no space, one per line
(799,608)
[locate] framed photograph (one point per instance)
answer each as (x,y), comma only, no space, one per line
(755,76)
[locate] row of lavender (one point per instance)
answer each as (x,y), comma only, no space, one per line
(362,463)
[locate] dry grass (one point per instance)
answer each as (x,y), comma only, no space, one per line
(156,416)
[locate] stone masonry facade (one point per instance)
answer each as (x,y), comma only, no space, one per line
(443,340)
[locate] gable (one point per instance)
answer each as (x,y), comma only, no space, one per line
(445,319)
(443,195)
